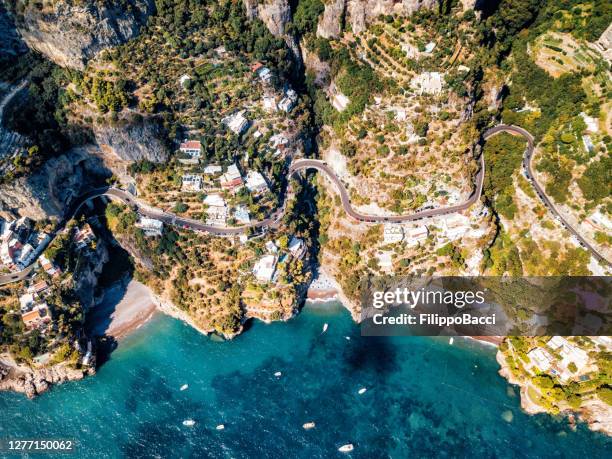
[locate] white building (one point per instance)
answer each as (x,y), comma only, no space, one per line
(385,261)
(265,74)
(392,233)
(213,169)
(215,200)
(429,47)
(288,102)
(600,220)
(540,358)
(569,354)
(150,226)
(592,124)
(26,301)
(237,122)
(269,104)
(588,143)
(232,178)
(241,214)
(217,210)
(191,182)
(192,148)
(25,256)
(184,79)
(427,83)
(296,247)
(415,234)
(255,182)
(265,268)
(454,226)
(271,247)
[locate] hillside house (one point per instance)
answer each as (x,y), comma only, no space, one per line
(83,236)
(217,210)
(288,101)
(241,214)
(265,268)
(540,358)
(191,182)
(237,122)
(38,316)
(232,179)
(151,226)
(296,247)
(191,148)
(416,234)
(213,169)
(256,183)
(392,233)
(269,104)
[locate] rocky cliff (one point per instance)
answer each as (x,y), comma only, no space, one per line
(90,268)
(11,43)
(276,15)
(72,32)
(49,191)
(133,138)
(32,382)
(359,13)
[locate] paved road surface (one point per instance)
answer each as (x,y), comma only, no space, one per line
(304,164)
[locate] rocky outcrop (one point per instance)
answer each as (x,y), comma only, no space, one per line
(330,23)
(11,43)
(48,192)
(32,382)
(359,13)
(70,33)
(133,139)
(90,268)
(593,411)
(276,15)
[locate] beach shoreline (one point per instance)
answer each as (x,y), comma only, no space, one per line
(123,309)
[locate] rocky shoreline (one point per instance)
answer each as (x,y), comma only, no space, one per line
(32,382)
(594,413)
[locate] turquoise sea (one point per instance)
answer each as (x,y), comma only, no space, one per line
(425,398)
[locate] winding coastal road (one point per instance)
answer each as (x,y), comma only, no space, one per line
(304,164)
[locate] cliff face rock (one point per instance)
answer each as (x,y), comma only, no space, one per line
(133,139)
(11,43)
(330,22)
(276,15)
(34,382)
(86,278)
(70,33)
(49,191)
(359,13)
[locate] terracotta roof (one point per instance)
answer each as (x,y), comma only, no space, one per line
(191,145)
(31,316)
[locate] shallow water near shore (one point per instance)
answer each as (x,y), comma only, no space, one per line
(425,398)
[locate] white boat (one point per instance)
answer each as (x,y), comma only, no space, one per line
(220,427)
(188,422)
(451,340)
(308,425)
(325,325)
(362,391)
(185,387)
(346,448)
(278,374)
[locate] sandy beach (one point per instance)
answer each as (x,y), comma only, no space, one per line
(122,310)
(322,288)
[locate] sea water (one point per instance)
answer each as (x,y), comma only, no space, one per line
(424,398)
